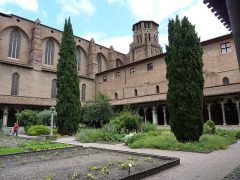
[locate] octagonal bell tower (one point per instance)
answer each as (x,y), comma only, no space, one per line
(145,41)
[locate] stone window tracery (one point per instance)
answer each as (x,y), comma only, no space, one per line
(49,52)
(14,44)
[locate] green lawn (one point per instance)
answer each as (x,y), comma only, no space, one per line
(11,145)
(164,139)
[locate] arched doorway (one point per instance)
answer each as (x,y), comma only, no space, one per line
(11,117)
(141,113)
(160,115)
(216,113)
(149,115)
(231,112)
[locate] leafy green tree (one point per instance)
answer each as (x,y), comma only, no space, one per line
(98,111)
(28,118)
(68,95)
(45,116)
(185,76)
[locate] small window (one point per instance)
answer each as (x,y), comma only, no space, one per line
(225,81)
(225,48)
(149,66)
(135,92)
(157,89)
(117,75)
(116,95)
(104,78)
(118,63)
(132,71)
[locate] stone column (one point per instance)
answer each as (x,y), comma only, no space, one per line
(145,114)
(154,115)
(164,116)
(137,111)
(223,114)
(5,117)
(238,111)
(209,111)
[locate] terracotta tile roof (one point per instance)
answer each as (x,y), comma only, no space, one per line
(210,91)
(140,99)
(22,100)
(222,90)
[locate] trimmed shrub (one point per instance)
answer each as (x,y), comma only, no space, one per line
(209,127)
(28,118)
(38,130)
(149,127)
(126,121)
(89,135)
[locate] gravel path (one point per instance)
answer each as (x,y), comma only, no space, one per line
(194,166)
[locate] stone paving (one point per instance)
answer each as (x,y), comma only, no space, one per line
(234,175)
(212,166)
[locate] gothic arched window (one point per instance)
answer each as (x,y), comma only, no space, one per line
(54,88)
(78,56)
(14,44)
(15,84)
(83,92)
(49,51)
(99,61)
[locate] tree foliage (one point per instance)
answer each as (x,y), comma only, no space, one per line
(184,73)
(45,116)
(68,95)
(28,118)
(98,111)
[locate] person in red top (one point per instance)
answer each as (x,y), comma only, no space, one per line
(15,129)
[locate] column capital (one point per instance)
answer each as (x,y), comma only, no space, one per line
(164,108)
(222,104)
(154,107)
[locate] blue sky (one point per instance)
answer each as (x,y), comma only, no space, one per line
(109,22)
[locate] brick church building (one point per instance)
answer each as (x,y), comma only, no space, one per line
(29,56)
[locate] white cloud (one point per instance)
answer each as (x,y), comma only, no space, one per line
(30,5)
(97,36)
(206,24)
(156,10)
(44,14)
(74,8)
(120,43)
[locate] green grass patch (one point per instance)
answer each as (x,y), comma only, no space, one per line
(42,145)
(88,135)
(10,150)
(166,140)
(225,133)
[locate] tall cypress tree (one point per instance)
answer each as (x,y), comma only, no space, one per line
(185,76)
(68,95)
